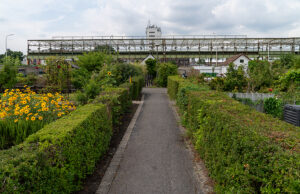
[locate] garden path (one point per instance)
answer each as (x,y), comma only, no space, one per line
(156,159)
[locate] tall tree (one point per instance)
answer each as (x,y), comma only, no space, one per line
(260,74)
(235,78)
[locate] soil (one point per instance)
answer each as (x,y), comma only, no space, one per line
(92,182)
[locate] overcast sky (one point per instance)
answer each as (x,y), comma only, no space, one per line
(34,19)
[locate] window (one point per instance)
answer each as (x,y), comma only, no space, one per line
(241,60)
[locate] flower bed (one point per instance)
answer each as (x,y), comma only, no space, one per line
(23,112)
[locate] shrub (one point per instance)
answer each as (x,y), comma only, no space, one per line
(117,99)
(151,67)
(93,61)
(173,83)
(58,74)
(8,75)
(244,150)
(57,158)
(235,78)
(165,70)
(273,107)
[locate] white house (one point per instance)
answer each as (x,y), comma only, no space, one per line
(221,69)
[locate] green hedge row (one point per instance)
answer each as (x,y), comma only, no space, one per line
(117,99)
(135,87)
(173,83)
(58,157)
(244,150)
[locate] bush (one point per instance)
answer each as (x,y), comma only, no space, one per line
(173,83)
(151,67)
(8,75)
(117,99)
(165,70)
(93,61)
(273,107)
(244,150)
(57,158)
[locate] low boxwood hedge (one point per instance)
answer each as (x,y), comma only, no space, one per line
(59,156)
(244,150)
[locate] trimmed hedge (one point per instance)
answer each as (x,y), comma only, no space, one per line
(135,87)
(173,83)
(117,99)
(244,150)
(58,157)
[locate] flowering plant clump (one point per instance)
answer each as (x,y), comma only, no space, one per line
(23,112)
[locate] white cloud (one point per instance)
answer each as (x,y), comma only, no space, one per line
(32,19)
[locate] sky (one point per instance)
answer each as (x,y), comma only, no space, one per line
(42,19)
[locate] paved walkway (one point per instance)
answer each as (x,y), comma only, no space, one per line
(155,160)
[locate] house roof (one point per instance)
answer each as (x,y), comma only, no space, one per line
(233,58)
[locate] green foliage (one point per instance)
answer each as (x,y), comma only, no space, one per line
(290,80)
(260,74)
(165,70)
(29,80)
(286,61)
(217,83)
(135,88)
(58,157)
(117,99)
(80,77)
(57,74)
(273,107)
(119,73)
(235,78)
(12,133)
(151,67)
(8,75)
(90,91)
(124,71)
(12,54)
(93,61)
(244,150)
(173,83)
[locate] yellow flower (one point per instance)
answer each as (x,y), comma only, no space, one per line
(59,114)
(49,95)
(43,105)
(46,109)
(16,120)
(109,73)
(40,118)
(24,102)
(26,111)
(27,118)
(33,118)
